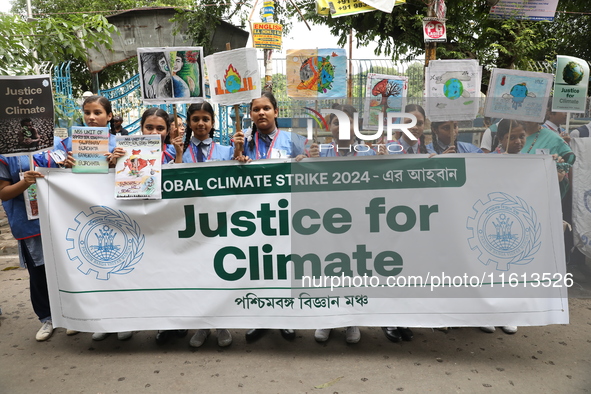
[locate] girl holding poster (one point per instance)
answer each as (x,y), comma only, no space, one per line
(341,147)
(155,121)
(266,141)
(202,148)
(15,178)
(200,122)
(445,140)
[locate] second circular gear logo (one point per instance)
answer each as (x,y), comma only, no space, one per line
(504,231)
(106,242)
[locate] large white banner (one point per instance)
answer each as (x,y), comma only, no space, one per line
(582,194)
(455,240)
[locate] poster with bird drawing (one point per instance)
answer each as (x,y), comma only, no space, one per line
(452,89)
(316,73)
(519,95)
(383,94)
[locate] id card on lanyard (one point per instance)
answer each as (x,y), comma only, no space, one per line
(271,153)
(194,153)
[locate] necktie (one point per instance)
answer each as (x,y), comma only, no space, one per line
(410,150)
(265,138)
(200,157)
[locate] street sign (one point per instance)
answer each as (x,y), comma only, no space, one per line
(434,30)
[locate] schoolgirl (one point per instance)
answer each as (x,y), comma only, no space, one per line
(28,234)
(266,141)
(405,145)
(200,129)
(511,135)
(97,113)
(445,140)
(350,146)
(155,121)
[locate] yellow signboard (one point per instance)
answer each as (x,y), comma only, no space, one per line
(349,7)
(266,35)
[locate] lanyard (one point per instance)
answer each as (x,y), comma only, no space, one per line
(194,151)
(256,140)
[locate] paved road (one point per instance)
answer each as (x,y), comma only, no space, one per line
(550,359)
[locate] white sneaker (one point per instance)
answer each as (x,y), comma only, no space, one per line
(489,329)
(322,334)
(352,335)
(124,336)
(224,337)
(99,336)
(45,331)
(71,332)
(199,338)
(509,329)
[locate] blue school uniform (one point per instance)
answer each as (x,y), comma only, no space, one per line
(463,147)
(168,153)
(291,144)
(402,147)
(330,150)
(211,151)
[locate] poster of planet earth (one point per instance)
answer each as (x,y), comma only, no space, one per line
(452,90)
(518,95)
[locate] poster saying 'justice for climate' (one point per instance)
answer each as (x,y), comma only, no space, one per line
(26,114)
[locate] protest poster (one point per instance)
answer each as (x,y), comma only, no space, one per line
(452,90)
(383,94)
(316,73)
(26,114)
(518,95)
(171,75)
(30,197)
(138,172)
(570,85)
(266,35)
(533,10)
(318,243)
(234,76)
(90,145)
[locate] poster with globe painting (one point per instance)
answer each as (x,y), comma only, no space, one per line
(316,73)
(171,75)
(383,94)
(519,95)
(452,89)
(570,85)
(234,76)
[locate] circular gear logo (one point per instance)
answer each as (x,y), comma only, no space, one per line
(105,242)
(504,231)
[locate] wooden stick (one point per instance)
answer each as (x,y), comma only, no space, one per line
(237,122)
(176,123)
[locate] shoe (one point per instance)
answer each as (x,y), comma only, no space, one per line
(509,329)
(392,334)
(71,332)
(180,333)
(322,334)
(45,331)
(489,329)
(406,333)
(99,336)
(224,338)
(254,334)
(287,333)
(163,336)
(124,336)
(199,338)
(352,335)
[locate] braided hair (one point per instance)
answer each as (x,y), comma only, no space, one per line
(273,101)
(202,106)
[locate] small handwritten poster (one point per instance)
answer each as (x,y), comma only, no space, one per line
(138,173)
(89,147)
